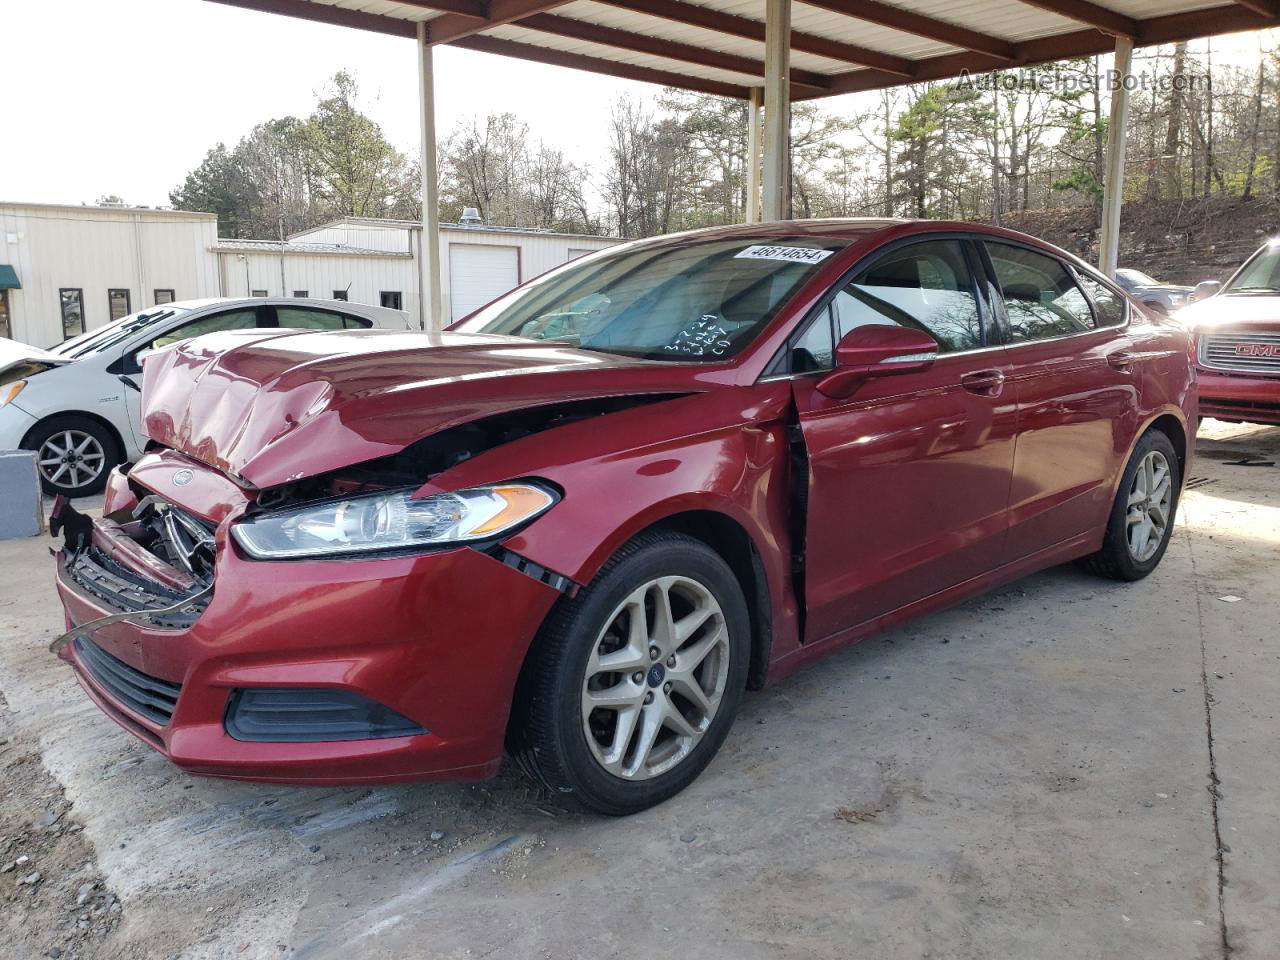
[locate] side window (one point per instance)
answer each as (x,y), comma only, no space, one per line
(1040,298)
(306,318)
(814,350)
(231,320)
(1109,305)
(925,286)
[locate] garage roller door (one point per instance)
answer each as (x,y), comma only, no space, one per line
(478,274)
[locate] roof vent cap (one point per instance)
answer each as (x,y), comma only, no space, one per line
(470,217)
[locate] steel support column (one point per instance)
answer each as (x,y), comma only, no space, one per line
(776,202)
(753,155)
(431,309)
(1113,176)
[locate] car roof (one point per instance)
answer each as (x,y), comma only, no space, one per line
(201,304)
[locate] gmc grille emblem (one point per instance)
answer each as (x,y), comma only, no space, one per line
(1258,349)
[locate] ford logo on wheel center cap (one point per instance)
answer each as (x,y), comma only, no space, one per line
(183,477)
(656,674)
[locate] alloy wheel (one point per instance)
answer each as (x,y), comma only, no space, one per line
(1147,512)
(655,679)
(71,459)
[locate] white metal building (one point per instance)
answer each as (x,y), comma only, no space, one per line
(75,268)
(376,261)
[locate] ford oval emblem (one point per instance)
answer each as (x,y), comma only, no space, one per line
(183,477)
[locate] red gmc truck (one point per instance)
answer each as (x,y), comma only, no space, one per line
(1237,331)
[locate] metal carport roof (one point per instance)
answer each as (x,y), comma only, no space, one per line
(837,46)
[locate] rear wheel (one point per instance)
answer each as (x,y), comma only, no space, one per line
(635,681)
(1141,520)
(73,454)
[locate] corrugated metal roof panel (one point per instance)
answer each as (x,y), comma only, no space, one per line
(633,22)
(1142,9)
(566,45)
(384,8)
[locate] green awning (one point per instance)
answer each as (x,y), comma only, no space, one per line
(8,278)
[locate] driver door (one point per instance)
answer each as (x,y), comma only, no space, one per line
(908,478)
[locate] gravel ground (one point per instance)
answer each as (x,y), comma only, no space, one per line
(1064,768)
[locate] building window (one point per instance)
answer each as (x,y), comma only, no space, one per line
(118,303)
(301,293)
(72,302)
(390,298)
(164,296)
(5,330)
(259,293)
(340,295)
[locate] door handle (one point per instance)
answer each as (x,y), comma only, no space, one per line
(1120,360)
(988,383)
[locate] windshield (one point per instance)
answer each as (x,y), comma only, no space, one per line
(1137,278)
(1261,274)
(101,338)
(696,300)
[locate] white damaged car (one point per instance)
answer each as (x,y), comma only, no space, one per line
(76,404)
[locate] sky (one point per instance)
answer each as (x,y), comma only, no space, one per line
(126,97)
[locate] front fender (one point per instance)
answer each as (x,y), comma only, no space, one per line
(723,452)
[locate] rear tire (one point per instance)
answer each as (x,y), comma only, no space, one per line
(74,454)
(602,719)
(1141,520)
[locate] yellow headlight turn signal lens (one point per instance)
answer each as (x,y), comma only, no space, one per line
(521,502)
(11,394)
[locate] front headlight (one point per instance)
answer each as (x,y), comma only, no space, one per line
(391,520)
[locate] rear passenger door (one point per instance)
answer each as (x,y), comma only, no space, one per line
(1074,373)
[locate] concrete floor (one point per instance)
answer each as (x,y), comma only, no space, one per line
(1067,768)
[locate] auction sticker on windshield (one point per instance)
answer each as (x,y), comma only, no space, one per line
(764,251)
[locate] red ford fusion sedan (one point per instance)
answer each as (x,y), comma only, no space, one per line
(1237,332)
(580,523)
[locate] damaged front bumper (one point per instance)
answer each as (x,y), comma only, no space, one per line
(300,671)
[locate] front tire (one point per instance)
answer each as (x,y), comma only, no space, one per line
(74,455)
(1141,520)
(634,682)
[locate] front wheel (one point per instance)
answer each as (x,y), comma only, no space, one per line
(1141,520)
(634,683)
(73,454)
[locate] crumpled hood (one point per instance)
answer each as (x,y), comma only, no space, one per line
(1225,309)
(271,406)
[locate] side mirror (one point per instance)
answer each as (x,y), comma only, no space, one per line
(1204,289)
(877,350)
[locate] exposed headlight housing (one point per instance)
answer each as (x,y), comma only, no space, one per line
(390,521)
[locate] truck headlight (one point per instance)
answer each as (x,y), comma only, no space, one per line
(391,520)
